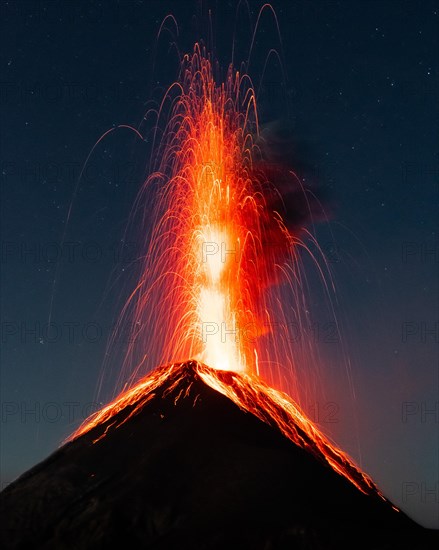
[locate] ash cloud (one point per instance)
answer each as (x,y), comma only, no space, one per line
(298,184)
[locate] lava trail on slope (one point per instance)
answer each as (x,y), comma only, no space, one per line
(193,457)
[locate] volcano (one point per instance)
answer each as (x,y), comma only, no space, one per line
(195,458)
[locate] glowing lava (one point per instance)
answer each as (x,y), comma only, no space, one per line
(250,394)
(218,280)
(206,266)
(214,164)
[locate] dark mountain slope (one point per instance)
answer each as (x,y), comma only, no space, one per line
(183,467)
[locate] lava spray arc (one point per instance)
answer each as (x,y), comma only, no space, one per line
(210,203)
(210,232)
(219,242)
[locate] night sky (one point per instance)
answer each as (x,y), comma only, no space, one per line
(359,106)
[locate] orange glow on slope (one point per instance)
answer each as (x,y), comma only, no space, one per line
(250,394)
